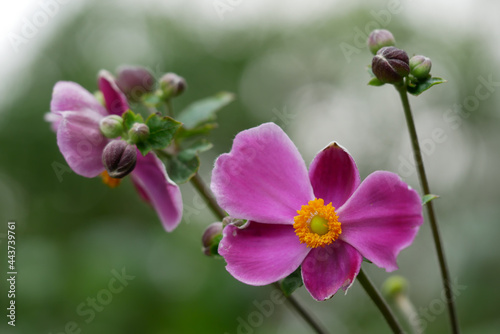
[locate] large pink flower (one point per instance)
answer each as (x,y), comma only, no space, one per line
(324,220)
(75,115)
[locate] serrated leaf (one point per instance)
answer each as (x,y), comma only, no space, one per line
(375,82)
(427,198)
(203,111)
(418,87)
(129,118)
(292,282)
(182,168)
(161,131)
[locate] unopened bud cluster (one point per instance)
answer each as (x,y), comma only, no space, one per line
(392,65)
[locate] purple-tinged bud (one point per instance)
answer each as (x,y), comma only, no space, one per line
(138,132)
(172,85)
(380,38)
(119,158)
(134,81)
(420,66)
(211,238)
(111,126)
(390,65)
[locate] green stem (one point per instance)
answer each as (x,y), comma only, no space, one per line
(169,110)
(430,208)
(204,191)
(380,302)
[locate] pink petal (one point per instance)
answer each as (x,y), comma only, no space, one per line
(116,102)
(165,196)
(70,96)
(260,254)
(381,218)
(81,142)
(334,175)
(325,270)
(263,178)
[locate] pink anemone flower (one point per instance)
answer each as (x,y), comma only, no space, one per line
(75,116)
(324,220)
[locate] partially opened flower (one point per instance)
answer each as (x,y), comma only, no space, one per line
(325,221)
(76,117)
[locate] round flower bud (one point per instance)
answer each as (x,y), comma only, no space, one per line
(420,66)
(172,85)
(119,158)
(390,65)
(380,38)
(134,81)
(138,132)
(211,238)
(394,286)
(111,126)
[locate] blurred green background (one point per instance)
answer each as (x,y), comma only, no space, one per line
(285,62)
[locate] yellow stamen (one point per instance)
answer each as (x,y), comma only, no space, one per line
(317,224)
(110,181)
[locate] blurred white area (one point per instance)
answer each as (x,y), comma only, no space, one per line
(25,24)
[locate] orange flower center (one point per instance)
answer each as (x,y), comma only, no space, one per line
(110,181)
(317,224)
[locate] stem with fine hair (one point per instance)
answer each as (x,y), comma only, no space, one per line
(402,89)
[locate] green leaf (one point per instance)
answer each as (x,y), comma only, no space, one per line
(366,260)
(183,166)
(375,82)
(427,198)
(292,282)
(203,111)
(161,131)
(129,118)
(418,87)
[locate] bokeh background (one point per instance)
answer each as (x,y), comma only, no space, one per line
(299,64)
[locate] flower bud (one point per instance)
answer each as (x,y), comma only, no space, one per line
(119,158)
(134,81)
(111,126)
(390,65)
(420,66)
(394,286)
(172,85)
(211,238)
(380,38)
(138,132)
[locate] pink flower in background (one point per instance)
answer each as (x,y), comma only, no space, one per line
(75,116)
(324,220)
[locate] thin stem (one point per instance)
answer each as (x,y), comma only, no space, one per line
(380,302)
(430,209)
(169,110)
(204,191)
